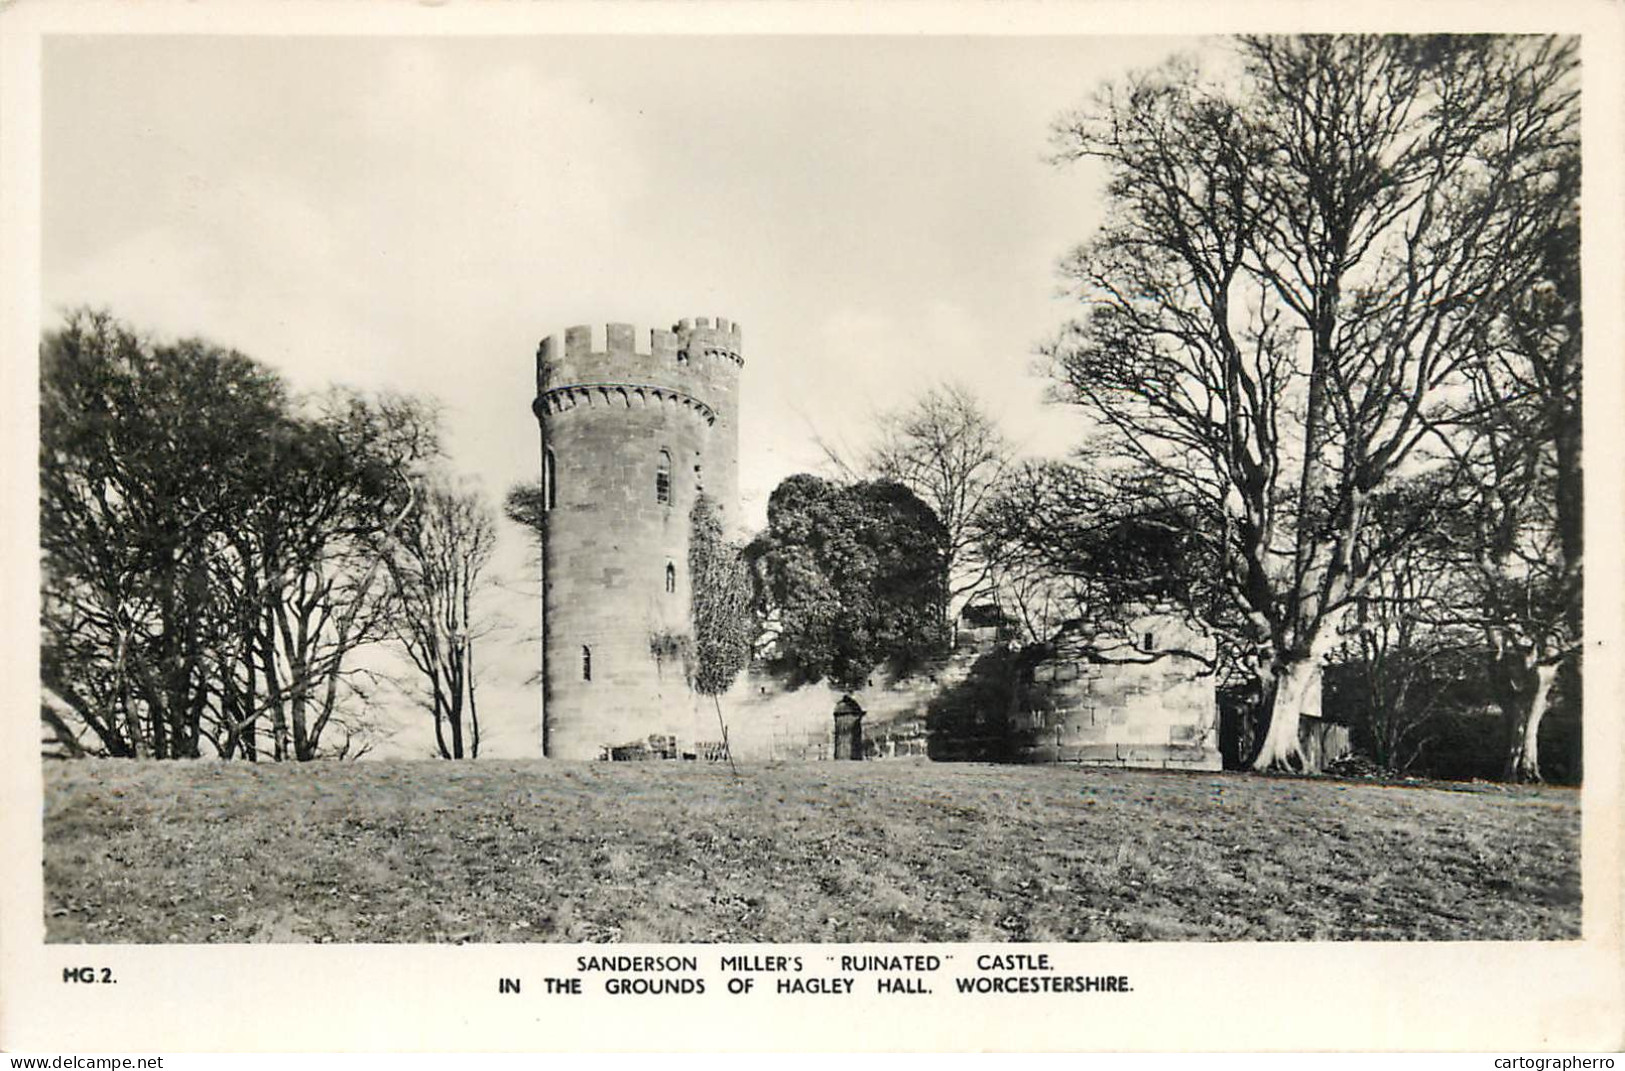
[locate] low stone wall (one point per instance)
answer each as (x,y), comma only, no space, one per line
(1146,704)
(1119,707)
(768,721)
(1115,715)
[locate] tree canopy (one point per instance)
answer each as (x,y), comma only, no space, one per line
(211,547)
(1302,261)
(850,576)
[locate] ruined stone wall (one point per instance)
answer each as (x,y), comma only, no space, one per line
(611,407)
(1158,710)
(1142,700)
(768,721)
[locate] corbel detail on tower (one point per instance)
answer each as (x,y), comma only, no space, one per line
(621,395)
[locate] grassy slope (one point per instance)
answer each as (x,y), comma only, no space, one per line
(905,851)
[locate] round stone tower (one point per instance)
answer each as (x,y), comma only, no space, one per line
(634,426)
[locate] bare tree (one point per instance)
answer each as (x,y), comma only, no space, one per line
(948,450)
(144,448)
(345,485)
(1517,544)
(1077,542)
(1300,262)
(436,568)
(212,548)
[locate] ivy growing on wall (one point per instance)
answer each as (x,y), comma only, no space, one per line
(723,620)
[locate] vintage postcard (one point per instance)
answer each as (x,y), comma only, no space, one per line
(840,527)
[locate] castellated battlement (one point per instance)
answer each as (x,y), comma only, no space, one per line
(695,366)
(684,354)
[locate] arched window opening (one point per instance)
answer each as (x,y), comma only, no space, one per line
(550,480)
(663,480)
(586,662)
(671,578)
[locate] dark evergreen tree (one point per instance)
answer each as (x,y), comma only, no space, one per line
(850,576)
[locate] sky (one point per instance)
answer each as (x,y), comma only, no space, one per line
(413,214)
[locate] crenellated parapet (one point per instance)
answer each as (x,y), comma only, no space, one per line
(699,338)
(693,357)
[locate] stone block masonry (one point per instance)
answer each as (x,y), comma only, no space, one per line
(1111,702)
(634,426)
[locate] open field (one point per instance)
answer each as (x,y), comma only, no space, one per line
(902,851)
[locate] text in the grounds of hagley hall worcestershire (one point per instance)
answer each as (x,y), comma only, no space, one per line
(833,974)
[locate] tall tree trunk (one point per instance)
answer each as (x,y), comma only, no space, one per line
(1526,694)
(473,710)
(158,718)
(152,694)
(1296,693)
(1571,532)
(273,692)
(132,720)
(455,716)
(330,689)
(243,734)
(298,651)
(194,717)
(248,735)
(1290,695)
(231,715)
(301,743)
(192,697)
(440,722)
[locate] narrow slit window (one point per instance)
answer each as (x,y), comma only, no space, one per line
(586,662)
(671,578)
(699,478)
(663,479)
(550,480)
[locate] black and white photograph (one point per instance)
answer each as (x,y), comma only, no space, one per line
(726,519)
